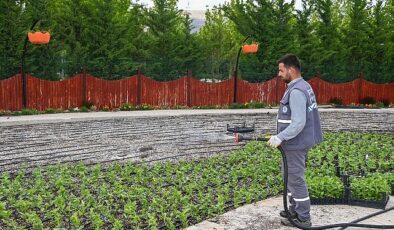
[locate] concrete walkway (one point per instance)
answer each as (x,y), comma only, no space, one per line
(66,117)
(265,215)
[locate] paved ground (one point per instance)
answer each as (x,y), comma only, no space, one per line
(265,215)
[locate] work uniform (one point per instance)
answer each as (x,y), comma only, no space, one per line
(298,126)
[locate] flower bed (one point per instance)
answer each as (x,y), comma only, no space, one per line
(174,196)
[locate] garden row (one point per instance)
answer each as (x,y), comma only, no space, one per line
(173,196)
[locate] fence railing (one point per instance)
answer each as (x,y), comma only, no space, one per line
(186,91)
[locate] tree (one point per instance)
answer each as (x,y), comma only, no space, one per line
(220,43)
(307,40)
(330,55)
(11,37)
(39,59)
(270,23)
(377,43)
(388,56)
(163,22)
(105,36)
(188,49)
(356,38)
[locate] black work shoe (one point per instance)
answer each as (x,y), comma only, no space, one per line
(284,214)
(301,223)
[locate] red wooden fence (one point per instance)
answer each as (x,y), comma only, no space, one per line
(11,93)
(186,91)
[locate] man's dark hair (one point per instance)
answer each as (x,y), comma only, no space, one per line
(290,60)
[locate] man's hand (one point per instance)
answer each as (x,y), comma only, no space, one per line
(274,141)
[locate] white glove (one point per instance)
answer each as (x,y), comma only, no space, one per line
(274,141)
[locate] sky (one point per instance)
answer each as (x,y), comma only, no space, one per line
(199,4)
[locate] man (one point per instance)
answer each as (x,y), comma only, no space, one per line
(298,130)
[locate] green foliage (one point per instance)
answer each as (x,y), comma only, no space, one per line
(172,47)
(336,39)
(144,107)
(358,154)
(84,109)
(50,110)
(270,23)
(219,44)
(127,107)
(373,188)
(237,106)
(248,105)
(29,112)
(336,101)
(255,105)
(325,187)
(390,180)
(163,194)
(367,101)
(176,195)
(88,104)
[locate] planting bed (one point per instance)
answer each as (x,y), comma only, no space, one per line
(174,184)
(164,195)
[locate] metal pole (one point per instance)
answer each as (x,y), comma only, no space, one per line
(236,70)
(24,80)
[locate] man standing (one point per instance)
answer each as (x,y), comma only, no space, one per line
(298,130)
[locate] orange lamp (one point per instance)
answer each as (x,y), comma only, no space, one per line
(252,48)
(39,37)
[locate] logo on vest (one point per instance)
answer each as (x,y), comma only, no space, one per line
(284,109)
(312,101)
(311,107)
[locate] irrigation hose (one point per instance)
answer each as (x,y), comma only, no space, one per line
(239,138)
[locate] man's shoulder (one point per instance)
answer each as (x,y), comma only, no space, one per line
(297,93)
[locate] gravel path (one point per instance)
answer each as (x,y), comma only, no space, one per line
(264,215)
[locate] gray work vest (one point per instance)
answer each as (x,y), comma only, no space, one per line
(311,135)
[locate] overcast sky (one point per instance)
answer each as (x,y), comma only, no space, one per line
(199,4)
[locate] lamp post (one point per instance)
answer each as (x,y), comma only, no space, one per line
(252,48)
(39,38)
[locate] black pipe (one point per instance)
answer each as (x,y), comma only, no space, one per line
(285,179)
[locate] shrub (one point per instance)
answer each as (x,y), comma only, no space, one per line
(105,108)
(29,112)
(127,107)
(87,104)
(144,107)
(84,109)
(255,105)
(368,101)
(379,104)
(336,101)
(50,110)
(237,106)
(72,109)
(5,113)
(205,107)
(385,102)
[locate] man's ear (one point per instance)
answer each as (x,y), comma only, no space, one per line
(291,70)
